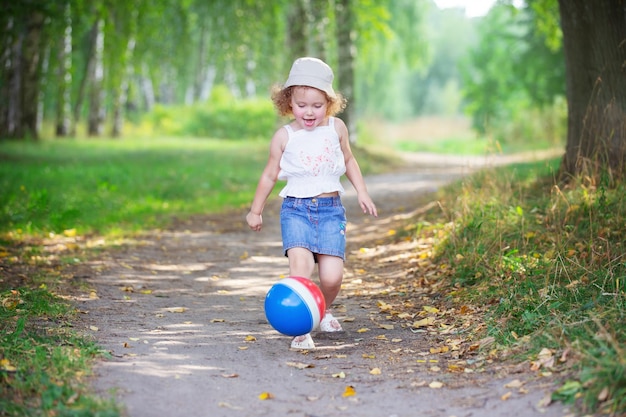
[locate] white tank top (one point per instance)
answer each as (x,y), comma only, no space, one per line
(312,162)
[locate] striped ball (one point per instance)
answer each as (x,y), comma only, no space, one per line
(294,306)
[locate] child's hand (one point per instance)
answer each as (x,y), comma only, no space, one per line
(367,205)
(255,221)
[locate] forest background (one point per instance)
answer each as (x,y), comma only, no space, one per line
(176,67)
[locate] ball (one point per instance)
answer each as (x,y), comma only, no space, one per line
(294,306)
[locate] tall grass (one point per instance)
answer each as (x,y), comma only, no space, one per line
(550,261)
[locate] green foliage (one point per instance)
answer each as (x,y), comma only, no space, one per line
(549,263)
(516,75)
(221,117)
(43,365)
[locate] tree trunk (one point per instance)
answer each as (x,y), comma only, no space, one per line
(85,80)
(96,100)
(345,72)
(10,82)
(63,104)
(201,67)
(296,29)
(318,38)
(147,88)
(31,56)
(44,79)
(121,95)
(594,41)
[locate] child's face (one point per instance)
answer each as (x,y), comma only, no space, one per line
(309,106)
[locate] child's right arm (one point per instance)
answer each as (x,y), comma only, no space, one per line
(267,180)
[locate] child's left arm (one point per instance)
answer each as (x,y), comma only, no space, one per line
(353,171)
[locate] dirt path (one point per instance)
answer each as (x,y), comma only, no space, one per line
(182,314)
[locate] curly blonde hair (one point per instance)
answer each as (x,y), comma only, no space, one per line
(282,101)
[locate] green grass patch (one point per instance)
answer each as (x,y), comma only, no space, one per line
(449,145)
(116,187)
(43,364)
(97,186)
(550,262)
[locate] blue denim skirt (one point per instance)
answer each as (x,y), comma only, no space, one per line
(316,224)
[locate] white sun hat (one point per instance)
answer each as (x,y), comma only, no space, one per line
(311,72)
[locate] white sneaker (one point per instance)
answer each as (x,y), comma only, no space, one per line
(303,342)
(330,324)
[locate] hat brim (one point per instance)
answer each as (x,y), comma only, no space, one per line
(310,81)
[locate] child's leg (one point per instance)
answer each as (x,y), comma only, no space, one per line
(301,262)
(331,276)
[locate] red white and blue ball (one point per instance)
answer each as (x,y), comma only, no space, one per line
(294,306)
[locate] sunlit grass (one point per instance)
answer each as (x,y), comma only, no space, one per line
(98,186)
(44,366)
(116,186)
(549,261)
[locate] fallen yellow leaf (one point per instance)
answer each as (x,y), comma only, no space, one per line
(430,309)
(455,368)
(266,396)
(440,349)
(435,385)
(375,371)
(516,383)
(5,365)
(349,391)
(250,338)
(506,396)
(383,306)
(339,375)
(300,365)
(427,321)
(363,330)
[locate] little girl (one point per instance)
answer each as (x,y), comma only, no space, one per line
(311,153)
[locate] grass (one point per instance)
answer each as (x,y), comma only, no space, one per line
(108,187)
(43,364)
(454,136)
(118,187)
(550,262)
